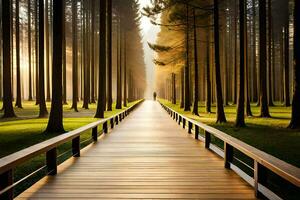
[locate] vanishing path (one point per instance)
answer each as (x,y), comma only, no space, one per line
(146,156)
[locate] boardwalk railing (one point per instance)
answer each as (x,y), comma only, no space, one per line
(263,163)
(49,147)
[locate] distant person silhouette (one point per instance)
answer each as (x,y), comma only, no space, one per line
(154,96)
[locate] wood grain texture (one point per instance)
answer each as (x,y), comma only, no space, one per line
(146,157)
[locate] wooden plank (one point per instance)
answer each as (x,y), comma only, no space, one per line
(147,156)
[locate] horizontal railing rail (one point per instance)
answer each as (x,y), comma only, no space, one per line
(262,160)
(49,147)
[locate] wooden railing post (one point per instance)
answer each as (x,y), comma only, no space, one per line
(260,177)
(117,120)
(95,133)
(120,117)
(105,130)
(183,122)
(51,162)
(228,152)
(76,147)
(176,117)
(190,126)
(179,120)
(207,139)
(6,179)
(196,132)
(112,123)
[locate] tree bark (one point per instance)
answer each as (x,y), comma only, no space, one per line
(125,72)
(119,72)
(42,104)
(254,67)
(48,98)
(93,53)
(29,51)
(270,96)
(85,59)
(182,88)
(220,109)
(286,66)
(18,49)
(55,123)
(187,102)
(64,57)
(295,120)
(102,62)
(240,116)
(196,81)
(7,90)
(235,55)
(109,55)
(208,81)
(37,87)
(173,88)
(74,56)
(264,108)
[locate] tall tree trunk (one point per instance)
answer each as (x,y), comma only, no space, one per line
(109,55)
(235,55)
(37,87)
(173,88)
(12,47)
(119,57)
(18,49)
(286,66)
(264,108)
(74,56)
(7,90)
(187,102)
(85,63)
(207,76)
(182,88)
(48,98)
(102,62)
(64,57)
(125,72)
(29,51)
(55,123)
(270,96)
(196,81)
(254,67)
(42,104)
(247,64)
(93,53)
(240,115)
(220,109)
(295,120)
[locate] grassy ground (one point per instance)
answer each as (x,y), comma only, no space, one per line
(267,134)
(27,129)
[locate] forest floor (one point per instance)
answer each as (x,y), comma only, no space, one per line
(267,134)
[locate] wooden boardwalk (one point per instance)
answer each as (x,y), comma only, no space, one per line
(145,157)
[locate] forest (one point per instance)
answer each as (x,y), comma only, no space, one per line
(254,52)
(234,65)
(76,56)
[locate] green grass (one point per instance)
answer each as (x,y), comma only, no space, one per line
(267,134)
(26,130)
